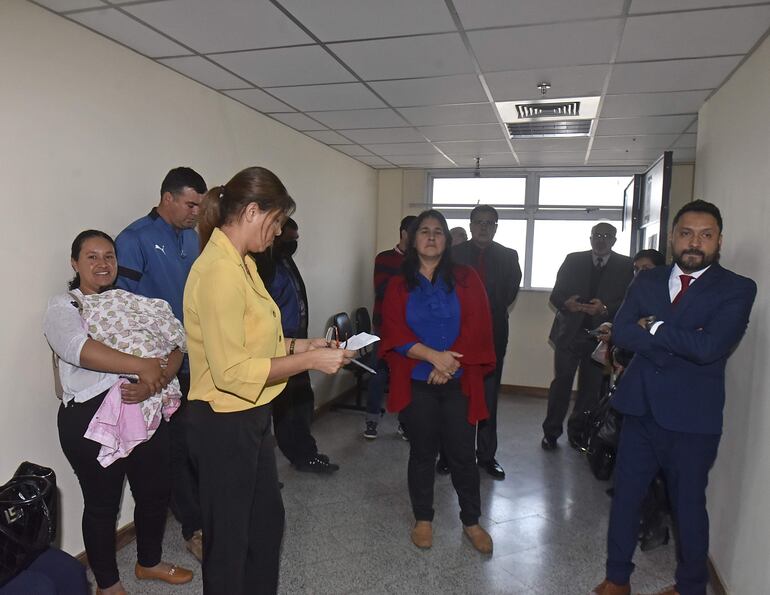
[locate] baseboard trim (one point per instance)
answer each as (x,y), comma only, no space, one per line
(715,580)
(125,535)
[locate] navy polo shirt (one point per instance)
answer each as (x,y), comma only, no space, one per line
(154,259)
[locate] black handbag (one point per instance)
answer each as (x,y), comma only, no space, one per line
(603,435)
(27,518)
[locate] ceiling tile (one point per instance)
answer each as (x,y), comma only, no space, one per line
(531,145)
(671,75)
(693,128)
(445,90)
(353,150)
(644,6)
(404,57)
(358,19)
(574,81)
(221,26)
(299,121)
(693,34)
(329,137)
(634,143)
(403,149)
(471,113)
(374,161)
(507,13)
(303,65)
(420,160)
(259,100)
(552,158)
(363,118)
(644,155)
(489,160)
(463,132)
(652,104)
(473,147)
(204,72)
(565,44)
(65,5)
(384,135)
(328,97)
(127,31)
(651,125)
(686,141)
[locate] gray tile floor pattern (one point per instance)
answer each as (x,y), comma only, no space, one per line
(349,533)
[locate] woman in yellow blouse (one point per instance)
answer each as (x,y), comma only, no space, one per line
(239,362)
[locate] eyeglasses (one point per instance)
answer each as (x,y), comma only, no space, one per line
(602,236)
(484,223)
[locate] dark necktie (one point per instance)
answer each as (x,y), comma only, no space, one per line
(686,280)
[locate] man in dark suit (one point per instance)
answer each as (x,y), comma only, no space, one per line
(682,322)
(500,272)
(589,289)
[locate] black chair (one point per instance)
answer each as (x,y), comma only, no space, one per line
(343,325)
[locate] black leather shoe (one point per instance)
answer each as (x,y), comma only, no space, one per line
(441,467)
(316,465)
(493,468)
(548,443)
(577,444)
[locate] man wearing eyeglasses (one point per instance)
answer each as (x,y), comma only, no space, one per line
(589,289)
(500,272)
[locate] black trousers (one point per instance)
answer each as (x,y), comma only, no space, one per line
(147,469)
(184,485)
(568,359)
(241,506)
(292,415)
(438,415)
(486,437)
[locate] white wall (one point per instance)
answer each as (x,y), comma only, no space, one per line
(89,129)
(733,171)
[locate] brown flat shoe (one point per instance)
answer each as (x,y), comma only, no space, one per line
(422,534)
(175,575)
(479,538)
(609,588)
(668,591)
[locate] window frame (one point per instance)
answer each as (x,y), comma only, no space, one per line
(531,210)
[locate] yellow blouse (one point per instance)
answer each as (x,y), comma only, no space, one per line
(233,330)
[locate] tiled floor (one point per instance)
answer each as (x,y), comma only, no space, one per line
(349,532)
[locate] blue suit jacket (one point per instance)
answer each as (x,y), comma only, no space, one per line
(679,372)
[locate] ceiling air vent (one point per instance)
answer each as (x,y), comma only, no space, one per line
(541,110)
(549,118)
(550,129)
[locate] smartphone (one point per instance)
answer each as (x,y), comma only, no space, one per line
(583,300)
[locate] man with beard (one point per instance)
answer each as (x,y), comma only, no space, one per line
(155,254)
(682,322)
(589,288)
(293,408)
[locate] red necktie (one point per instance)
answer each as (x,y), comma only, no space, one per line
(686,280)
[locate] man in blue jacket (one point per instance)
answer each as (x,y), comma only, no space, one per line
(682,322)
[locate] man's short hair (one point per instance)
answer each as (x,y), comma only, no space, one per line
(180,178)
(655,256)
(477,210)
(406,222)
(700,206)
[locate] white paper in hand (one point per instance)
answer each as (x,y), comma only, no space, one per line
(359,341)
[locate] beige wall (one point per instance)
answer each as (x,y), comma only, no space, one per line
(733,171)
(89,129)
(682,179)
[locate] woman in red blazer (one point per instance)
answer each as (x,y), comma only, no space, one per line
(437,340)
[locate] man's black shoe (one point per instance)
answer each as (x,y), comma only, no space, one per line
(441,467)
(548,443)
(316,464)
(493,468)
(578,445)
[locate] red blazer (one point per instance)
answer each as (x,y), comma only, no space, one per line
(474,341)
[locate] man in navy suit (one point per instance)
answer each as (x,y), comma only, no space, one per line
(682,322)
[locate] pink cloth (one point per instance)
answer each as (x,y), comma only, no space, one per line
(119,427)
